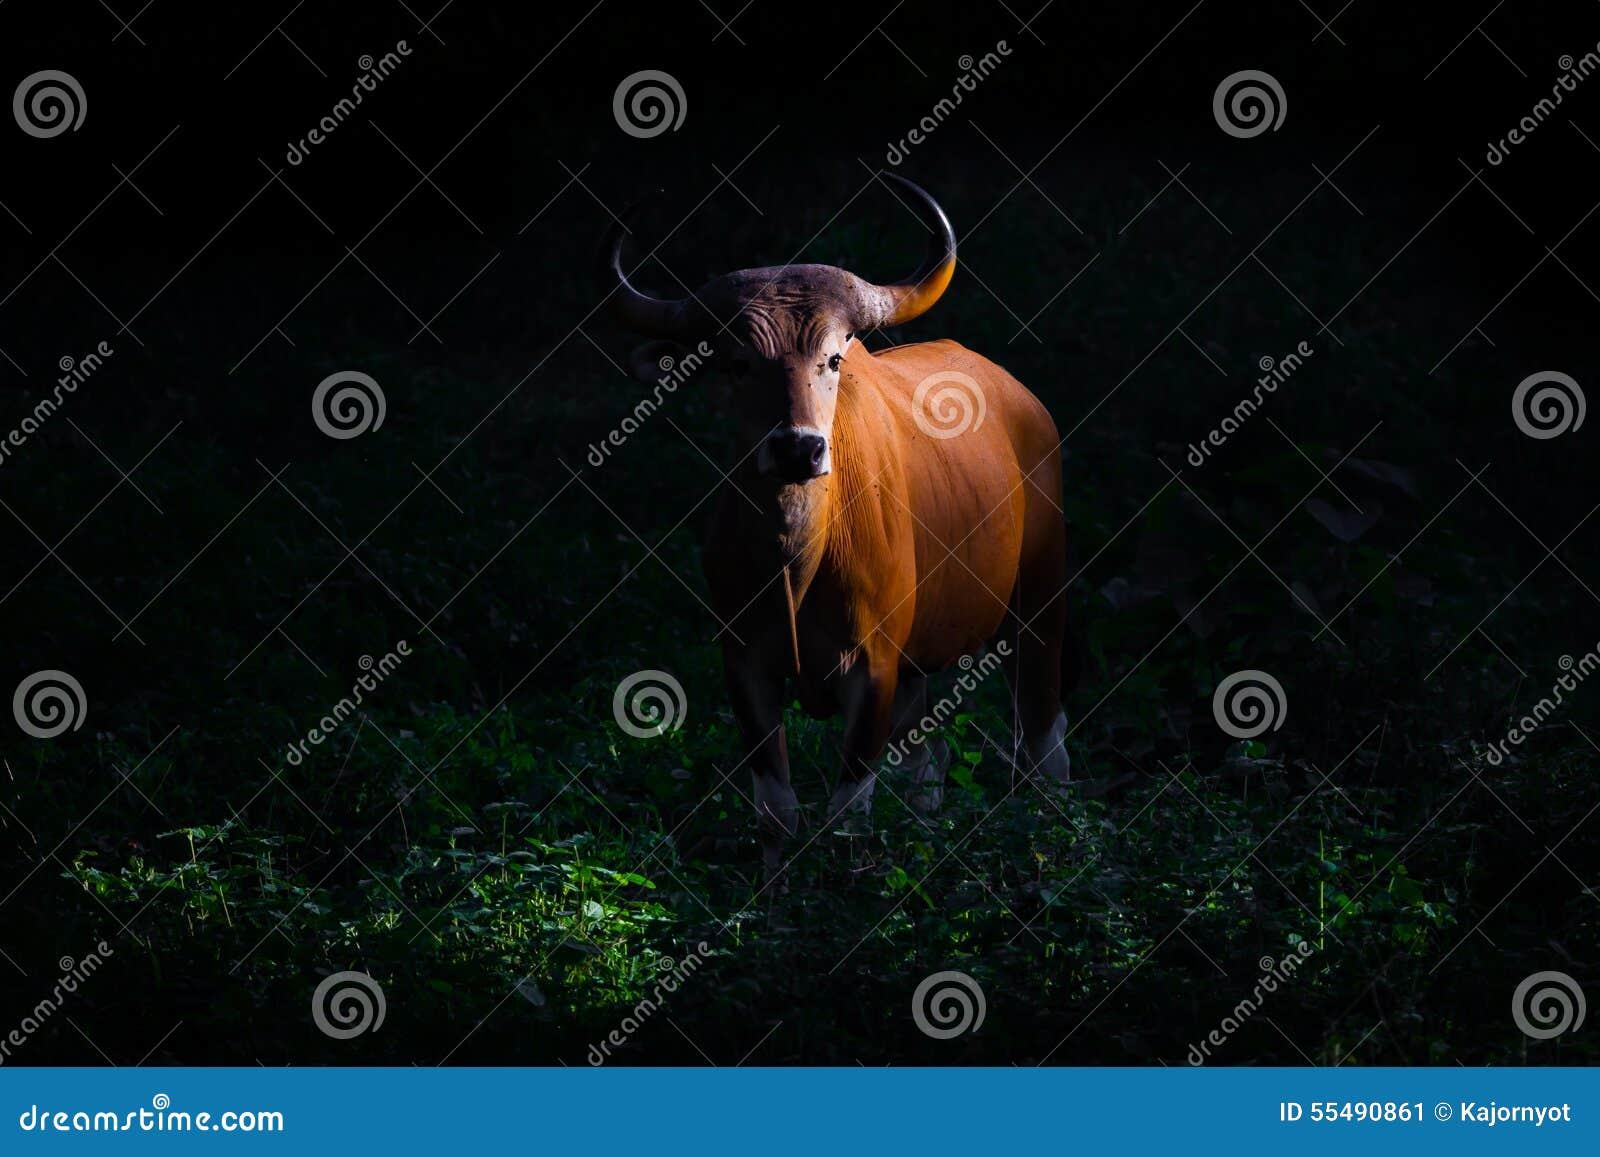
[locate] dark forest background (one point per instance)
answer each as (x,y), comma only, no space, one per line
(485,842)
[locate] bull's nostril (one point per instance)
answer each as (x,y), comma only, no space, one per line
(799,455)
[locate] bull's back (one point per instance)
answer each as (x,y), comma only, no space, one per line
(979,450)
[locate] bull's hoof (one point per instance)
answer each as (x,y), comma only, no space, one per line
(852,798)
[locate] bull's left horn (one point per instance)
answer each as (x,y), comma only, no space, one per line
(899,303)
(654,316)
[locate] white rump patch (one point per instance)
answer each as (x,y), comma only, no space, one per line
(1048,753)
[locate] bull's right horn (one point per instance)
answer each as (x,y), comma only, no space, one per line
(657,317)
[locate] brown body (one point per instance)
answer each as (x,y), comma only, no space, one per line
(899,511)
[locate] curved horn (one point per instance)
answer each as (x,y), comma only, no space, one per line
(904,300)
(654,316)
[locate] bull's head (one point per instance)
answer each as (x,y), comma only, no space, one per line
(782,334)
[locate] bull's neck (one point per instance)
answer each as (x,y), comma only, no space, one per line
(812,521)
(806,520)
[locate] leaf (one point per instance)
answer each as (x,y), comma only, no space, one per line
(1347,526)
(1395,476)
(1405,890)
(1304,599)
(1413,587)
(1122,594)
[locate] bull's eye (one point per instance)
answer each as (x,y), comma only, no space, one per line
(833,363)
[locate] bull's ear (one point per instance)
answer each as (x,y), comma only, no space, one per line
(654,360)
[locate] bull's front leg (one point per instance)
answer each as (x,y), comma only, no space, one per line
(755,679)
(866,694)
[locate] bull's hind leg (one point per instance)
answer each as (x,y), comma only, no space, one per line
(1033,670)
(924,756)
(867,694)
(1034,630)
